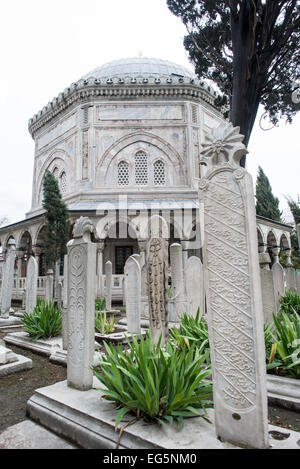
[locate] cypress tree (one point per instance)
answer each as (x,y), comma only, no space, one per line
(57,227)
(267,205)
(295,209)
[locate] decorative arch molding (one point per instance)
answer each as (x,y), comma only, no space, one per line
(285,241)
(270,234)
(60,158)
(145,137)
(107,222)
(19,238)
(37,234)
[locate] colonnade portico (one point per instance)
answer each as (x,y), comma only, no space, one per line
(273,238)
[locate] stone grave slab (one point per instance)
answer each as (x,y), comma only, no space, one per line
(89,422)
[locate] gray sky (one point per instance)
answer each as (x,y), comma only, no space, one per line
(46,45)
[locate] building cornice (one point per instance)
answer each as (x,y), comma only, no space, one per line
(129,88)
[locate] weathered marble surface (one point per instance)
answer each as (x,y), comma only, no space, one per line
(31,285)
(157,275)
(178,291)
(81,305)
(195,286)
(8,279)
(108,280)
(234,302)
(268,295)
(132,285)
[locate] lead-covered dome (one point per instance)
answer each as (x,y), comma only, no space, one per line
(140,67)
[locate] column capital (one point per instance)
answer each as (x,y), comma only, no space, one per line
(100,245)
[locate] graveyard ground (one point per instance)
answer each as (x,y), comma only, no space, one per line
(16,389)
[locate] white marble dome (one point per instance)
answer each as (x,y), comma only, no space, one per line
(140,67)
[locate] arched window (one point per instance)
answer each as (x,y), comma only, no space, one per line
(63,182)
(123,174)
(141,168)
(159,173)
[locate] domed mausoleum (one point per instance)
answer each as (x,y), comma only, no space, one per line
(122,141)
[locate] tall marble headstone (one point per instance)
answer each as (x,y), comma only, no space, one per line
(108,280)
(81,305)
(132,286)
(278,281)
(65,305)
(178,290)
(234,302)
(8,279)
(49,285)
(157,277)
(268,295)
(31,285)
(194,286)
(290,276)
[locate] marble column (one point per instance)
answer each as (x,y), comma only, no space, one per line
(108,278)
(100,249)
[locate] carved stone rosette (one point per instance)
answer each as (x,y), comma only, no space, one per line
(157,275)
(234,302)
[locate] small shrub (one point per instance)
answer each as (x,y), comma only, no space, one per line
(102,325)
(290,303)
(100,304)
(192,331)
(157,385)
(44,322)
(285,351)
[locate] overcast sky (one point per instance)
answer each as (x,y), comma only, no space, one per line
(47,45)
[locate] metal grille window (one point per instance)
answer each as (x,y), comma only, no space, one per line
(141,168)
(194,114)
(159,173)
(63,182)
(55,172)
(123,174)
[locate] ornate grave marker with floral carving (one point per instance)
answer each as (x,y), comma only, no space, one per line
(81,305)
(234,302)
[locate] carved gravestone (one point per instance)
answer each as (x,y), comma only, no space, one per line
(108,279)
(178,293)
(31,285)
(268,295)
(278,281)
(49,286)
(234,303)
(8,279)
(194,286)
(157,277)
(81,305)
(298,282)
(290,276)
(132,286)
(64,312)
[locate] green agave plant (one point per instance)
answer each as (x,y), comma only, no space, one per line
(45,321)
(285,351)
(155,384)
(103,325)
(290,303)
(100,304)
(192,331)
